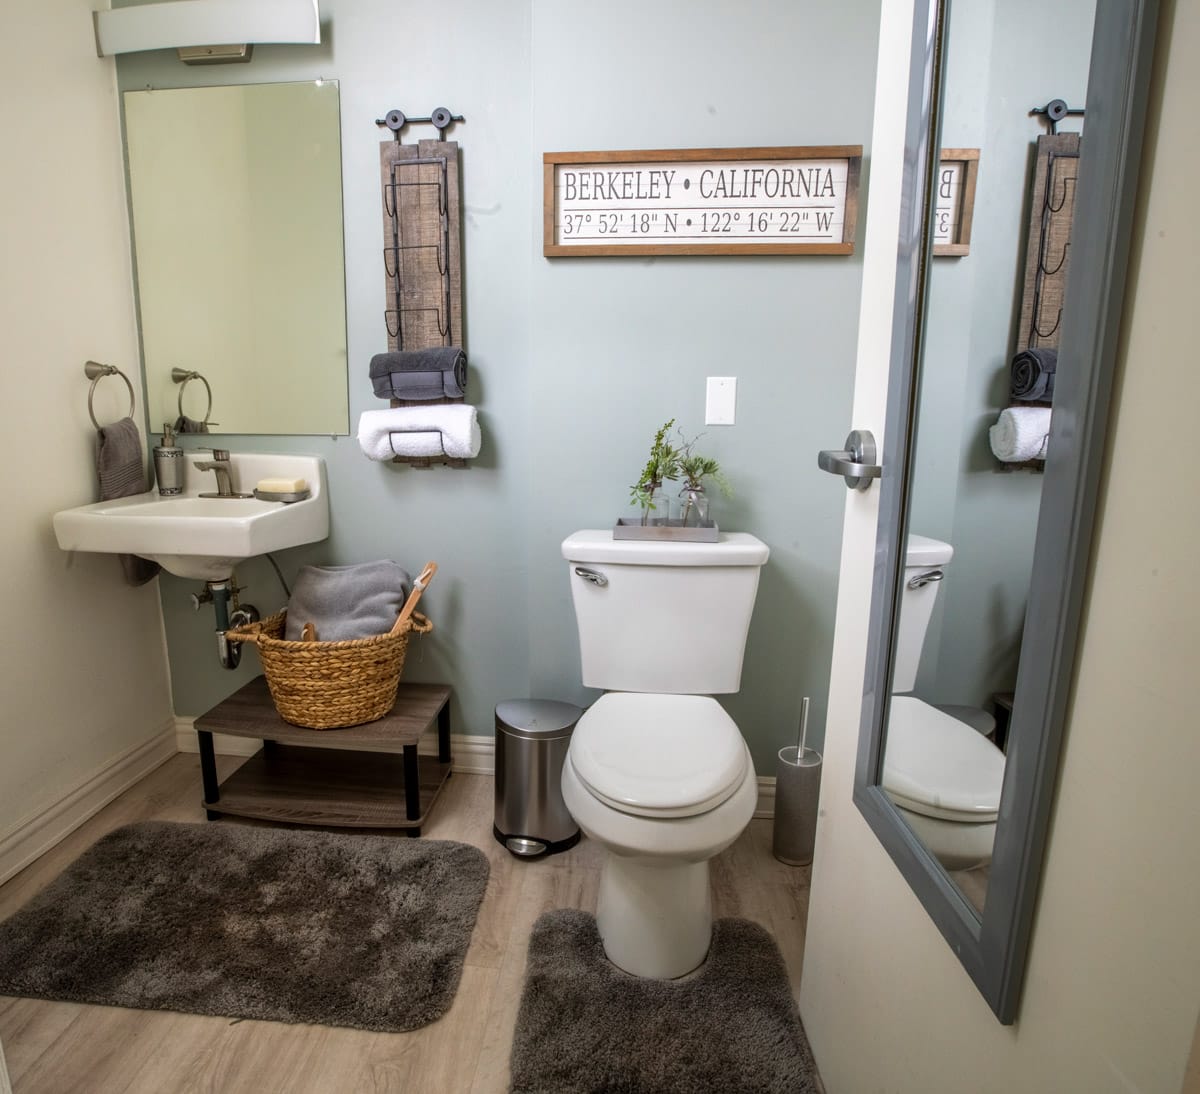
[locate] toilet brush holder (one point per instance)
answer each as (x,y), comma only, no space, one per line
(797,791)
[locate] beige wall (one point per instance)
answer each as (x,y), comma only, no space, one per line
(1113,985)
(83,678)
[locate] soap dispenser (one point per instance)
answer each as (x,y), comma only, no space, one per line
(168,464)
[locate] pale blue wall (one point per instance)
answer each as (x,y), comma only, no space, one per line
(997,70)
(575,363)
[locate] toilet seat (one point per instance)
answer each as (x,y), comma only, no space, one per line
(658,756)
(940,767)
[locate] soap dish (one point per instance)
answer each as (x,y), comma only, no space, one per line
(287,499)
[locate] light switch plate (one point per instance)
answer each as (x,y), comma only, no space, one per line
(720,399)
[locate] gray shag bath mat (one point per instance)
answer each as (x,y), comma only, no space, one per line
(586,1026)
(289,926)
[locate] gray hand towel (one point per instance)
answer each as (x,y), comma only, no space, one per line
(421,374)
(1032,375)
(122,473)
(345,602)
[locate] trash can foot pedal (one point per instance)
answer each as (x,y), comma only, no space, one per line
(526,847)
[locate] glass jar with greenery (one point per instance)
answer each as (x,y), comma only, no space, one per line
(696,470)
(662,465)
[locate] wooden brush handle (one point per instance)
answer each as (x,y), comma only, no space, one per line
(418,588)
(309,633)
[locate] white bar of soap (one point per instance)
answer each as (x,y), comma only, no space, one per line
(282,486)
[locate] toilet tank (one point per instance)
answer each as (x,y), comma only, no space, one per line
(663,617)
(923,561)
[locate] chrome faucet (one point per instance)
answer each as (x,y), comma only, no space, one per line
(221,466)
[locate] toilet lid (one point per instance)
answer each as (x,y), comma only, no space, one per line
(938,766)
(658,755)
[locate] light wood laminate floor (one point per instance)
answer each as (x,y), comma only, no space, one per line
(56,1048)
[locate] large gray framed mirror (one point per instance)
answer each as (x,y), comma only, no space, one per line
(236,200)
(1017,572)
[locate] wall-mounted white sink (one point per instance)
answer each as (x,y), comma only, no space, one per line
(204,538)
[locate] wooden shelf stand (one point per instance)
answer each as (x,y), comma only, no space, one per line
(367,776)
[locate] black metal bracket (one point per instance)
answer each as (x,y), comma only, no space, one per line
(1054,112)
(441,119)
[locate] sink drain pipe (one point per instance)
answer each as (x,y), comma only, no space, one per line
(222,594)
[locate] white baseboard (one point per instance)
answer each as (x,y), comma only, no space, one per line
(473,755)
(37,833)
(223,745)
(766,797)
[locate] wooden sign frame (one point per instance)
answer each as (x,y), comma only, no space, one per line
(957,207)
(797,200)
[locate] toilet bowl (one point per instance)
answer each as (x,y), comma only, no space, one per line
(945,779)
(664,782)
(657,772)
(943,775)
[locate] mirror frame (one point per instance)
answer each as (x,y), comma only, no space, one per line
(993,946)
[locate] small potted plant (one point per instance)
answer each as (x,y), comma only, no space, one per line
(695,469)
(662,465)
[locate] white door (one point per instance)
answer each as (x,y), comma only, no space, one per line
(876,913)
(870,391)
(847,856)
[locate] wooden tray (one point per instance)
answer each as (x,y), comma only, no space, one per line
(670,531)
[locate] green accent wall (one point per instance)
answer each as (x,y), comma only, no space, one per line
(576,362)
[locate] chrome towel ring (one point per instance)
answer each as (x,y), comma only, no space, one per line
(183,377)
(96,372)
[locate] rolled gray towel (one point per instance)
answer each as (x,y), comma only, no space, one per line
(420,374)
(1032,375)
(122,473)
(345,602)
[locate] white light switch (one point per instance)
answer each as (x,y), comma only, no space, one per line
(719,400)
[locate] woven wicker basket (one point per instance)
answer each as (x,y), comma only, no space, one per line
(329,685)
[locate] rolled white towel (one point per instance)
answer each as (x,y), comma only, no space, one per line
(441,428)
(1021,433)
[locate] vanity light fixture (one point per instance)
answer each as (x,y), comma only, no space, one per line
(199,27)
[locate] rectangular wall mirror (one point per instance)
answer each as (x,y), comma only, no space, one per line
(236,197)
(981,565)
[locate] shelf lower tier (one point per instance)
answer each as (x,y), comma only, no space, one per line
(322,786)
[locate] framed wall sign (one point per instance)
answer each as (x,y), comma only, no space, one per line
(701,201)
(958,169)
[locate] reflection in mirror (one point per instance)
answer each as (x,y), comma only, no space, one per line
(952,332)
(972,518)
(237,223)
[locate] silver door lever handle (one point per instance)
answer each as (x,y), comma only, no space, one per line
(842,463)
(855,463)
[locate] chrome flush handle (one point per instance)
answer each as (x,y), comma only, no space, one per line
(591,575)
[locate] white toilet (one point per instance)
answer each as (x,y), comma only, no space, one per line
(657,772)
(943,775)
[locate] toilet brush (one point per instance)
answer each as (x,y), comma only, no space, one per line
(797,786)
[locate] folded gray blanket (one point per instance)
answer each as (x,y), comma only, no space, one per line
(122,473)
(1032,375)
(420,374)
(345,602)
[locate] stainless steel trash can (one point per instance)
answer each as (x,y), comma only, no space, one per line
(532,738)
